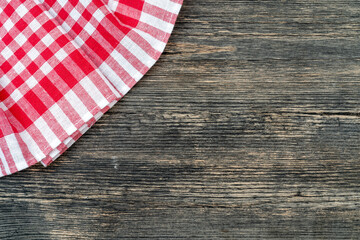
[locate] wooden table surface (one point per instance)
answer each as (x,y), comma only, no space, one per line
(247,127)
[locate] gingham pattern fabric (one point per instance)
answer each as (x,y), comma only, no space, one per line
(64,63)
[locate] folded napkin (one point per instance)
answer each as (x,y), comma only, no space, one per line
(64,63)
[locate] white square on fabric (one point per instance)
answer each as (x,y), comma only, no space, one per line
(33,53)
(79,41)
(98,15)
(3,107)
(21,10)
(34,25)
(61,54)
(6,53)
(4,81)
(20,39)
(46,68)
(19,67)
(52,12)
(113,5)
(31,82)
(16,95)
(85,3)
(62,2)
(66,27)
(8,25)
(75,14)
(89,28)
(47,40)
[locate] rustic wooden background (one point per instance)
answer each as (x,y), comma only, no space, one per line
(247,127)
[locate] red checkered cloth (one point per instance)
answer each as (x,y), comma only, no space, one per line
(64,63)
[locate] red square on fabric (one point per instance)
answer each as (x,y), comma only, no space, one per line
(63,14)
(134,4)
(49,25)
(5,67)
(81,62)
(35,101)
(62,40)
(107,35)
(50,88)
(47,54)
(97,48)
(20,115)
(36,11)
(7,39)
(21,25)
(77,28)
(51,2)
(87,15)
(9,10)
(4,95)
(20,53)
(18,81)
(32,68)
(33,39)
(65,75)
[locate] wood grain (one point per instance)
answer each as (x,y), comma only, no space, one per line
(247,127)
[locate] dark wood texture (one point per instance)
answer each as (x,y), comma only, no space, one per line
(247,127)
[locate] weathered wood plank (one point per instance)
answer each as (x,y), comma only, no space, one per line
(247,127)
